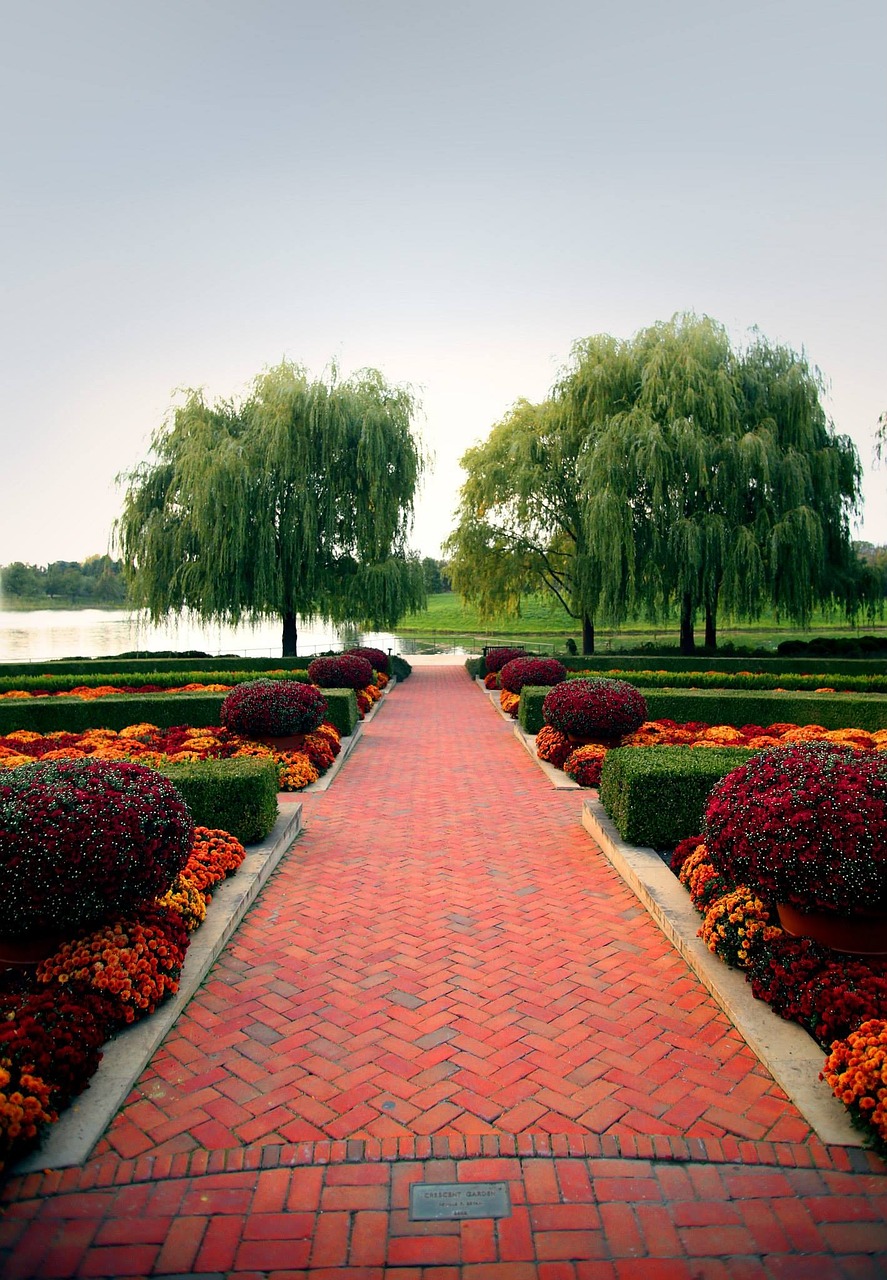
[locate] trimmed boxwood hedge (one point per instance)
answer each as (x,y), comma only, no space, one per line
(84,666)
(46,715)
(529,713)
(624,663)
(53,683)
(239,796)
(656,796)
(738,707)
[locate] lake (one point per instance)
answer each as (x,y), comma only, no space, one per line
(42,634)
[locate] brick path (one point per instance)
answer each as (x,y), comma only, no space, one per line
(445,981)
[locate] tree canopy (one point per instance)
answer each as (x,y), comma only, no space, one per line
(297,502)
(669,471)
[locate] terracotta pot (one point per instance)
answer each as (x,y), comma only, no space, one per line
(23,953)
(858,935)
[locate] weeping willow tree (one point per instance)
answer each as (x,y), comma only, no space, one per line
(520,528)
(717,482)
(297,502)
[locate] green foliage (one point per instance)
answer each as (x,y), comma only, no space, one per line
(668,472)
(342,710)
(297,502)
(529,712)
(73,715)
(656,796)
(96,580)
(719,481)
(729,706)
(239,795)
(399,667)
(52,683)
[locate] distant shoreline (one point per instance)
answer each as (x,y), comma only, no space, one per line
(17,604)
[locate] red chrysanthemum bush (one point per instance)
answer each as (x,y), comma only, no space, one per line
(377,659)
(856,1072)
(682,852)
(84,840)
(805,825)
(531,671)
(583,765)
(843,993)
(133,963)
(57,1034)
(273,708)
(553,746)
(496,658)
(594,708)
(343,672)
(491,680)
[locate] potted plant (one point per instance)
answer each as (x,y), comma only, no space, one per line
(806,826)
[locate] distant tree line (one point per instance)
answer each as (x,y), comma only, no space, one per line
(96,580)
(437,576)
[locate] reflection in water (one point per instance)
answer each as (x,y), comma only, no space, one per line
(42,634)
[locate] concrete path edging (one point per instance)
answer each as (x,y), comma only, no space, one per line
(790,1055)
(70,1141)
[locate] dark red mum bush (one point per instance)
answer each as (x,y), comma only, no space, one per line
(57,1033)
(274,708)
(533,671)
(594,708)
(806,825)
(81,840)
(496,659)
(375,657)
(345,672)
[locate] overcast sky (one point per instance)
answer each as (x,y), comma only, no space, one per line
(451,192)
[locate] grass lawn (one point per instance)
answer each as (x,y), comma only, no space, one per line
(544,619)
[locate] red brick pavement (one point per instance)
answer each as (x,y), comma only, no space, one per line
(446,981)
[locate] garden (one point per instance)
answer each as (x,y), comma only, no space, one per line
(112,843)
(777,829)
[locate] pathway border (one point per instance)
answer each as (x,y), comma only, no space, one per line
(791,1056)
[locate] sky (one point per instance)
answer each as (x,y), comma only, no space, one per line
(451,192)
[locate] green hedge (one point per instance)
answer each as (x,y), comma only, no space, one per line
(756,681)
(201,710)
(656,796)
(83,666)
(729,706)
(239,796)
(529,713)
(624,663)
(52,683)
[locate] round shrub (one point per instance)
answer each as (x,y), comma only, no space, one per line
(553,746)
(533,671)
(805,825)
(274,708)
(345,672)
(496,659)
(375,657)
(594,708)
(81,840)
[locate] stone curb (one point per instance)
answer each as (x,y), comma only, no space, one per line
(70,1141)
(790,1055)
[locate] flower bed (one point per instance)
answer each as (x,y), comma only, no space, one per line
(54,1020)
(840,1000)
(666,733)
(149,745)
(824,682)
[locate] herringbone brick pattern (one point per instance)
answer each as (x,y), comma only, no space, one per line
(446,982)
(446,951)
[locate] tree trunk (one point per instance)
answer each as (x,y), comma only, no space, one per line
(688,644)
(587,635)
(711,624)
(289,635)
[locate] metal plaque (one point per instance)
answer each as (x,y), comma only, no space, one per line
(437,1201)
